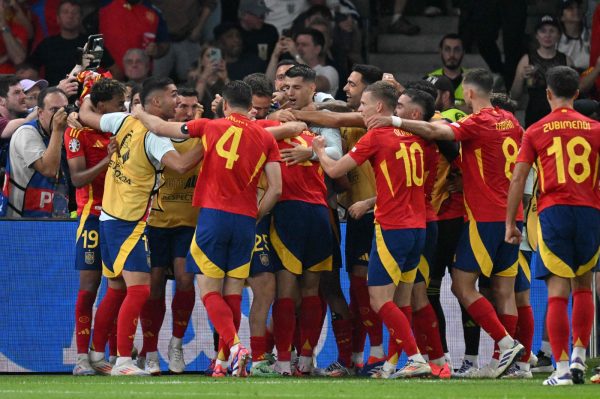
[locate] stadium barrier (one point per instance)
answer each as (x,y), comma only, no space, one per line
(39,288)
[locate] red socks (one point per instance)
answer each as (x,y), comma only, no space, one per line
(399,328)
(106,316)
(258,347)
(483,313)
(83,319)
(235,304)
(359,333)
(152,316)
(137,295)
(582,317)
(524,333)
(182,308)
(342,330)
(284,320)
(370,319)
(221,317)
(557,325)
(427,332)
(269,341)
(310,323)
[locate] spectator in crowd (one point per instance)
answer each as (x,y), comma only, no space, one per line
(136,64)
(35,160)
(186,21)
(452,53)
(305,19)
(262,92)
(307,48)
(399,23)
(575,38)
(481,21)
(259,38)
(13,39)
(44,19)
(27,70)
(284,12)
(347,39)
(444,101)
(129,24)
(32,90)
(57,54)
(532,68)
(209,77)
(229,40)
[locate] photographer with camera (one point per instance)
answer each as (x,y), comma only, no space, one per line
(37,185)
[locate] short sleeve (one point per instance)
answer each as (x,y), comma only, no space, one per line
(157,147)
(364,148)
(465,129)
(196,127)
(29,144)
(111,123)
(73,143)
(527,152)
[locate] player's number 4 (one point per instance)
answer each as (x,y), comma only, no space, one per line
(235,134)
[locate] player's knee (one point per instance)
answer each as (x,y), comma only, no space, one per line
(185,282)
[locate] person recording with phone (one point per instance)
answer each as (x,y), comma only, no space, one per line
(209,77)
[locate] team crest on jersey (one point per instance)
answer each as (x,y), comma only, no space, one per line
(264,259)
(74,145)
(90,258)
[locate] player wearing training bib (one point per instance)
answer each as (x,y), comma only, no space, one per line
(132,178)
(565,146)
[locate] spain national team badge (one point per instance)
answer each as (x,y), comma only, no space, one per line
(264,259)
(90,258)
(74,145)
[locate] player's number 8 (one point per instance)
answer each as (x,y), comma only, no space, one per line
(575,159)
(510,149)
(231,155)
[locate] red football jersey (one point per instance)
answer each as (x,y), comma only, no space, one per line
(490,142)
(565,146)
(397,160)
(305,181)
(235,152)
(432,157)
(92,145)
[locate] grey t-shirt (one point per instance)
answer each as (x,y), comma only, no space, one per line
(26,147)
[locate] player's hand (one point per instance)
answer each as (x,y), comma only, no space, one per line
(454,184)
(33,115)
(112,146)
(59,121)
(513,235)
(199,111)
(375,121)
(215,103)
(389,78)
(358,209)
(283,115)
(136,110)
(69,85)
(296,155)
(73,121)
(318,145)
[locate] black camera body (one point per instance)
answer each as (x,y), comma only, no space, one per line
(95,47)
(71,108)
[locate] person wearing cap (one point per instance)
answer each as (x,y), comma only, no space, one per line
(229,38)
(445,101)
(259,37)
(32,90)
(575,39)
(532,68)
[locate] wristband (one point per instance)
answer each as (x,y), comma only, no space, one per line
(396,121)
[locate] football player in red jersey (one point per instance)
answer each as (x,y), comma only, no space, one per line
(565,145)
(397,157)
(88,152)
(490,140)
(236,152)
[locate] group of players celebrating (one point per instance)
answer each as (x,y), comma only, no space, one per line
(243,199)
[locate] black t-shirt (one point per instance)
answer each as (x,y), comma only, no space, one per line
(58,56)
(246,65)
(255,39)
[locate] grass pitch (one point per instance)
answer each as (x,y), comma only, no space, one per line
(197,386)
